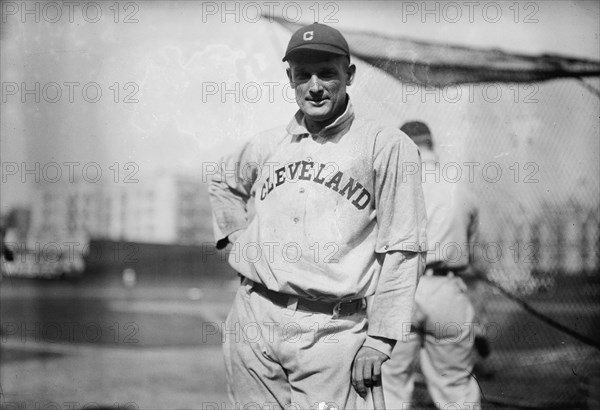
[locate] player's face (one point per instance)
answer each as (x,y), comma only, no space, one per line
(320,86)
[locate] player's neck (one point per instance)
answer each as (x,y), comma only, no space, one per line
(315,127)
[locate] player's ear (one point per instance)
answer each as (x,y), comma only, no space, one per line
(288,71)
(350,72)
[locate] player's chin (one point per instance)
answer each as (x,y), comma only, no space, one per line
(317,113)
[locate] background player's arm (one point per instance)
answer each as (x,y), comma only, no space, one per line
(229,192)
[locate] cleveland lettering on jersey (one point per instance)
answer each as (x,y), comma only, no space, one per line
(347,187)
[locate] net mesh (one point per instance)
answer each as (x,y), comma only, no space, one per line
(548,233)
(534,163)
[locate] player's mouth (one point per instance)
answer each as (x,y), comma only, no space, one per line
(315,102)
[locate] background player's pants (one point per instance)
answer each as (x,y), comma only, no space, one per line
(444,334)
(278,357)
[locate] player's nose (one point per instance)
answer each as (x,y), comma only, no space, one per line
(314,85)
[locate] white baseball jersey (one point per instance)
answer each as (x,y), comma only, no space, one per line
(325,204)
(452,217)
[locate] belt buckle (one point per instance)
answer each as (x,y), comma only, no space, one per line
(336,309)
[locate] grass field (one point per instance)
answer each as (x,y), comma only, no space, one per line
(68,345)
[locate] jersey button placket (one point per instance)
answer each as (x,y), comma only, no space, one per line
(301,200)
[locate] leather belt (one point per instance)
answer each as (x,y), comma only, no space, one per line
(441,272)
(341,308)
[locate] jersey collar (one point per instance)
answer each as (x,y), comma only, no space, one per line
(297,125)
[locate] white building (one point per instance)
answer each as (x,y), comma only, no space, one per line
(167,209)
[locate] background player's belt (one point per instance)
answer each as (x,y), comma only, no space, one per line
(344,308)
(443,272)
(440,271)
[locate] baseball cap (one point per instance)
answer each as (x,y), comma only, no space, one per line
(317,37)
(418,132)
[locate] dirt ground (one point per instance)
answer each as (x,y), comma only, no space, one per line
(68,346)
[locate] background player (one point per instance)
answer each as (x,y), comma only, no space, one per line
(443,323)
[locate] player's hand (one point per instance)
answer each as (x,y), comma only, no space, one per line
(366,369)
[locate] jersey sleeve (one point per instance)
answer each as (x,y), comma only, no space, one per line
(399,202)
(390,309)
(230,189)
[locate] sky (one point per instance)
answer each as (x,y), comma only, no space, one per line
(172,86)
(561,27)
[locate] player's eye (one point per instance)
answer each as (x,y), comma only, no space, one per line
(327,74)
(301,75)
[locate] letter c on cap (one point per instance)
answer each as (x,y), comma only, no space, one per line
(308,35)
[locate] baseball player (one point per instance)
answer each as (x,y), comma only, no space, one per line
(444,320)
(336,220)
